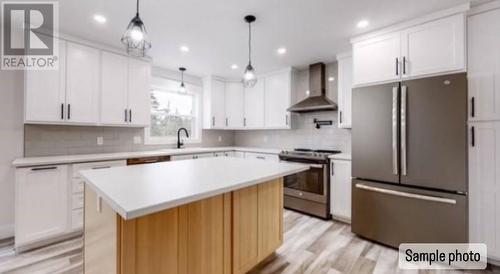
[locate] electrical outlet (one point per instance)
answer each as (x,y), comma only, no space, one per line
(220,139)
(100,141)
(137,140)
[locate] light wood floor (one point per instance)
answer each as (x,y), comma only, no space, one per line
(311,246)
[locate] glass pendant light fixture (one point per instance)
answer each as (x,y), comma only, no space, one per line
(249,78)
(135,37)
(183,86)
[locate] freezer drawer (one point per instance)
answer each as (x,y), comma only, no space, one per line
(392,214)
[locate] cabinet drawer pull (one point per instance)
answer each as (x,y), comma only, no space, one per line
(101,167)
(43,168)
(472,107)
(407,195)
(261,157)
(397,66)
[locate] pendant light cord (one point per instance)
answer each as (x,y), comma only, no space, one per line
(137,8)
(250,43)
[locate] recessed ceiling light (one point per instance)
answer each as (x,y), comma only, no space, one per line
(184,49)
(331,79)
(363,24)
(281,50)
(234,66)
(100,19)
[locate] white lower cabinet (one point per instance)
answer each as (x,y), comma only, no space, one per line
(340,189)
(41,204)
(49,202)
(484,186)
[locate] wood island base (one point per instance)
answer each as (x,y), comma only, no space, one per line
(228,233)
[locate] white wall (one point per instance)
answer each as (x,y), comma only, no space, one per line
(11,144)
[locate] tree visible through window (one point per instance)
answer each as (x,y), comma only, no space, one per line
(171,110)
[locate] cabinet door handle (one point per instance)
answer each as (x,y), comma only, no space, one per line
(213,121)
(244,122)
(472,107)
(404,65)
(130,115)
(340,118)
(101,167)
(62,111)
(126,116)
(226,121)
(286,120)
(43,168)
(472,136)
(261,157)
(332,169)
(397,66)
(69,111)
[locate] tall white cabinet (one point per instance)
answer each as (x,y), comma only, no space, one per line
(234,102)
(484,130)
(344,90)
(277,99)
(114,95)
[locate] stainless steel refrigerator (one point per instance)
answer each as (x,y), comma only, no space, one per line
(409,161)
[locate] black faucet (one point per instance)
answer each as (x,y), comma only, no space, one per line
(179,142)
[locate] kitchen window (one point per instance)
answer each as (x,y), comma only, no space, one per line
(172,109)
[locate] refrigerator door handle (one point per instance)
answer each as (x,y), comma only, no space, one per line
(406,194)
(395,164)
(403,130)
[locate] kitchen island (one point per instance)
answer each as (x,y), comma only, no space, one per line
(215,215)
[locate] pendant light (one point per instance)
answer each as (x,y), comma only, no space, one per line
(183,86)
(249,78)
(135,37)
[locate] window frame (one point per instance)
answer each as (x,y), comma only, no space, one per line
(192,89)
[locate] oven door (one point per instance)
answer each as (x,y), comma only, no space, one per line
(311,184)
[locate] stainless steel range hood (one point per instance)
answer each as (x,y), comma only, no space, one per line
(317,100)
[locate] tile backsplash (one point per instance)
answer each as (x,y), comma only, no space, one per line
(303,134)
(49,140)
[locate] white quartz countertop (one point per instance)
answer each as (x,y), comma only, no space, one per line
(135,191)
(68,159)
(341,156)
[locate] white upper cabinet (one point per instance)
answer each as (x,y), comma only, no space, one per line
(91,87)
(277,88)
(254,106)
(114,96)
(344,90)
(484,186)
(234,97)
(377,59)
(427,46)
(228,105)
(139,79)
(214,113)
(434,47)
(45,98)
(484,66)
(82,84)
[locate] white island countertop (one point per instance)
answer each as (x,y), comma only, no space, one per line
(135,191)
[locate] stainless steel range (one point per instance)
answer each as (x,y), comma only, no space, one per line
(309,191)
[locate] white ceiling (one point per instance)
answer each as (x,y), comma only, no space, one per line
(311,30)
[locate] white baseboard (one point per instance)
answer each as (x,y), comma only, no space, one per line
(6,231)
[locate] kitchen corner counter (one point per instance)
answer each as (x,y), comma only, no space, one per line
(135,191)
(341,156)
